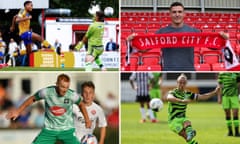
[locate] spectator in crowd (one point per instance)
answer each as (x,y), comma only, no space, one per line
(58,46)
(5,105)
(111,46)
(2,48)
(12,48)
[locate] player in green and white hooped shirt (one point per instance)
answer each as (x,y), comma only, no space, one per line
(95,113)
(58,122)
(94,38)
(228,96)
(177,105)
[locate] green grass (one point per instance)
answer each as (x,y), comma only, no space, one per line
(207,119)
(49,69)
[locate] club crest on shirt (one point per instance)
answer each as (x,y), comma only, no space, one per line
(93,112)
(66,101)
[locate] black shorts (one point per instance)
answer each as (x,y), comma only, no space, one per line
(143,98)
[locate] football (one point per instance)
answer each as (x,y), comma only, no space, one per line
(89,139)
(108,11)
(156,103)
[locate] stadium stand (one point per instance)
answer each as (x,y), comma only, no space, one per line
(138,17)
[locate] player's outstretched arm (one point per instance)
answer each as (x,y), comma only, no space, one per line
(12,27)
(81,43)
(220,94)
(102,135)
(83,109)
(208,95)
(13,114)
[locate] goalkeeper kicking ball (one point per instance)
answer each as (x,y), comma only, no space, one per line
(89,139)
(108,11)
(156,104)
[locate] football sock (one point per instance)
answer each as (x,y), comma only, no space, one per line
(236,125)
(229,125)
(88,66)
(155,114)
(151,114)
(193,142)
(98,62)
(142,110)
(189,129)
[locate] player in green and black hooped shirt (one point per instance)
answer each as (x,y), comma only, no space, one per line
(228,96)
(177,105)
(58,124)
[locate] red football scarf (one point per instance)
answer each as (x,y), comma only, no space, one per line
(150,41)
(178,40)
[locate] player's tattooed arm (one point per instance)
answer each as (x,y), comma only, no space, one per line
(13,114)
(209,95)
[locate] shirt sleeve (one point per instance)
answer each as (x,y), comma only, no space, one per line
(21,13)
(191,96)
(41,94)
(101,118)
(90,31)
(133,76)
(75,109)
(76,98)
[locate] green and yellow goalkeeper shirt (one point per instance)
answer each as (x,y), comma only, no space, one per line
(95,34)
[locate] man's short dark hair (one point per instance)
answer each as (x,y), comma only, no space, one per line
(176,4)
(27,2)
(88,84)
(100,16)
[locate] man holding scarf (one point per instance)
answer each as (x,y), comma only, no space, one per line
(179,58)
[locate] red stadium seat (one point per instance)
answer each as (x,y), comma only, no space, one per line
(141,19)
(219,27)
(140,30)
(149,68)
(154,19)
(197,58)
(211,57)
(202,67)
(150,59)
(152,30)
(218,67)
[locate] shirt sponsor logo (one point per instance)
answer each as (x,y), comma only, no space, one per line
(93,112)
(57,110)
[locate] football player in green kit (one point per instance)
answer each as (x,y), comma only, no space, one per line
(58,122)
(178,99)
(94,38)
(228,96)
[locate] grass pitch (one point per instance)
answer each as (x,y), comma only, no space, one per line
(207,119)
